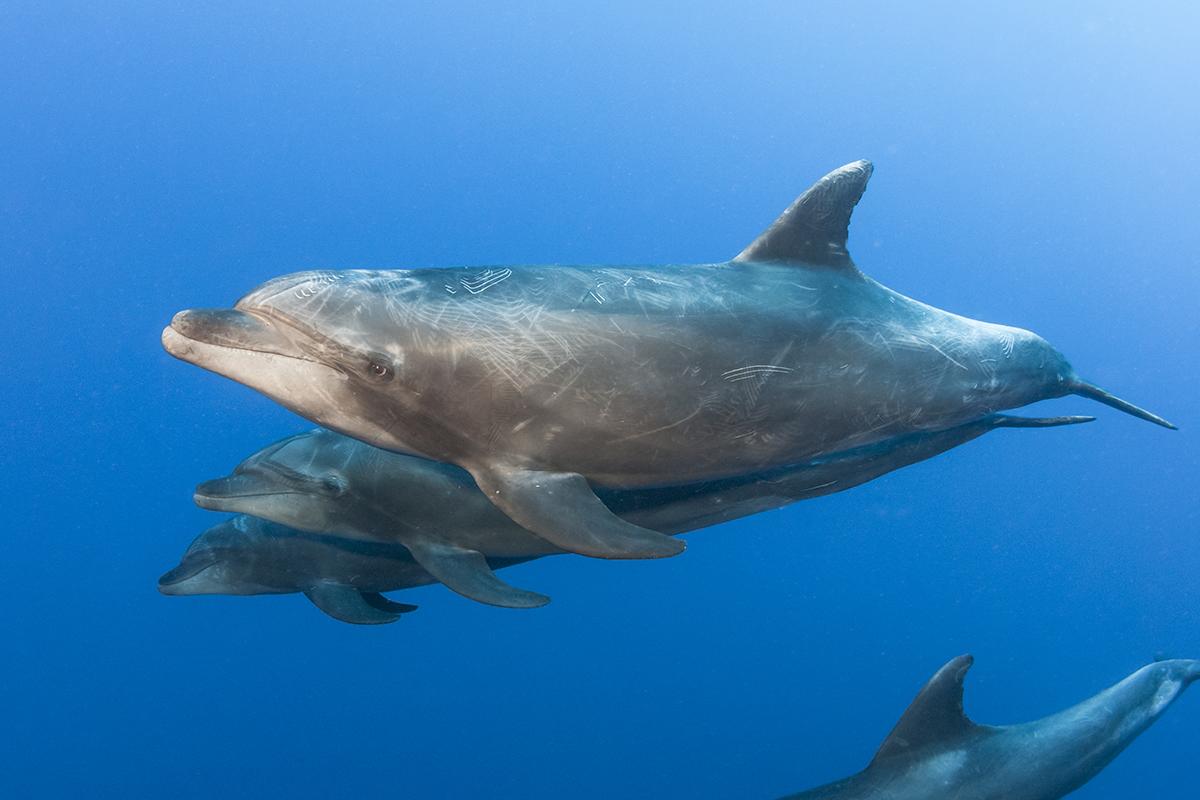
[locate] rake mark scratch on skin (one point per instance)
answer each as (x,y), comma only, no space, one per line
(754,370)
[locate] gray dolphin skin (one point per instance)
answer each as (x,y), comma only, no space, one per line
(324,483)
(344,578)
(546,383)
(250,556)
(935,752)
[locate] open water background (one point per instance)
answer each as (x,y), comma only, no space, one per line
(1035,166)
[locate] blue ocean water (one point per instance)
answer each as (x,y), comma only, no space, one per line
(1034,166)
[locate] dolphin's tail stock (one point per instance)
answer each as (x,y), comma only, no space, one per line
(1085,389)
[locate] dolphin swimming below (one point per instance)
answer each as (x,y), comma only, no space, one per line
(325,483)
(935,752)
(546,383)
(250,556)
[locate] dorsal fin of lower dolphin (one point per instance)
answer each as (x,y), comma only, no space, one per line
(467,572)
(935,715)
(561,508)
(814,228)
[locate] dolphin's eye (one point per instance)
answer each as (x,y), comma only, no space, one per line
(333,485)
(379,368)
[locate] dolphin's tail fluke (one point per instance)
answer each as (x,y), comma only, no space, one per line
(1085,389)
(1009,421)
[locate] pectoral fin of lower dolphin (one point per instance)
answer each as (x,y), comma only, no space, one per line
(376,600)
(467,572)
(347,604)
(561,508)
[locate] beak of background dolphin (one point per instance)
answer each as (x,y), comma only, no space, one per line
(221,494)
(191,566)
(226,327)
(1085,389)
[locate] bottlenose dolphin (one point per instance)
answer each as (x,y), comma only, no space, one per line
(935,752)
(544,383)
(323,482)
(247,556)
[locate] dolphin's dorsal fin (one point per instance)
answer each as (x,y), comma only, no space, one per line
(813,230)
(934,716)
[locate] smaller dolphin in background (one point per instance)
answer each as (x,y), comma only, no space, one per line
(248,556)
(325,483)
(936,753)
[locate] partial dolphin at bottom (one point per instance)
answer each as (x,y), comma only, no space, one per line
(935,752)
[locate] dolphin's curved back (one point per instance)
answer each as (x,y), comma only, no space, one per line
(936,752)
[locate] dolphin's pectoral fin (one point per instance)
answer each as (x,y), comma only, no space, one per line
(347,604)
(467,572)
(376,600)
(1010,421)
(561,508)
(814,229)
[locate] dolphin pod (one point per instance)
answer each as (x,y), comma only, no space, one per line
(324,483)
(474,419)
(546,383)
(935,752)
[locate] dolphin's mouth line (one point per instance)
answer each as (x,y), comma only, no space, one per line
(231,496)
(182,573)
(318,340)
(238,349)
(296,341)
(278,481)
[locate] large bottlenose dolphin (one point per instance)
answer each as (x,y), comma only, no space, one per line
(250,556)
(326,483)
(546,382)
(935,752)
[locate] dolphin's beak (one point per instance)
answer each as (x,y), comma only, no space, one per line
(217,494)
(226,327)
(191,566)
(1085,389)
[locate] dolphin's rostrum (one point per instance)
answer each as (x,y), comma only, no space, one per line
(548,383)
(935,752)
